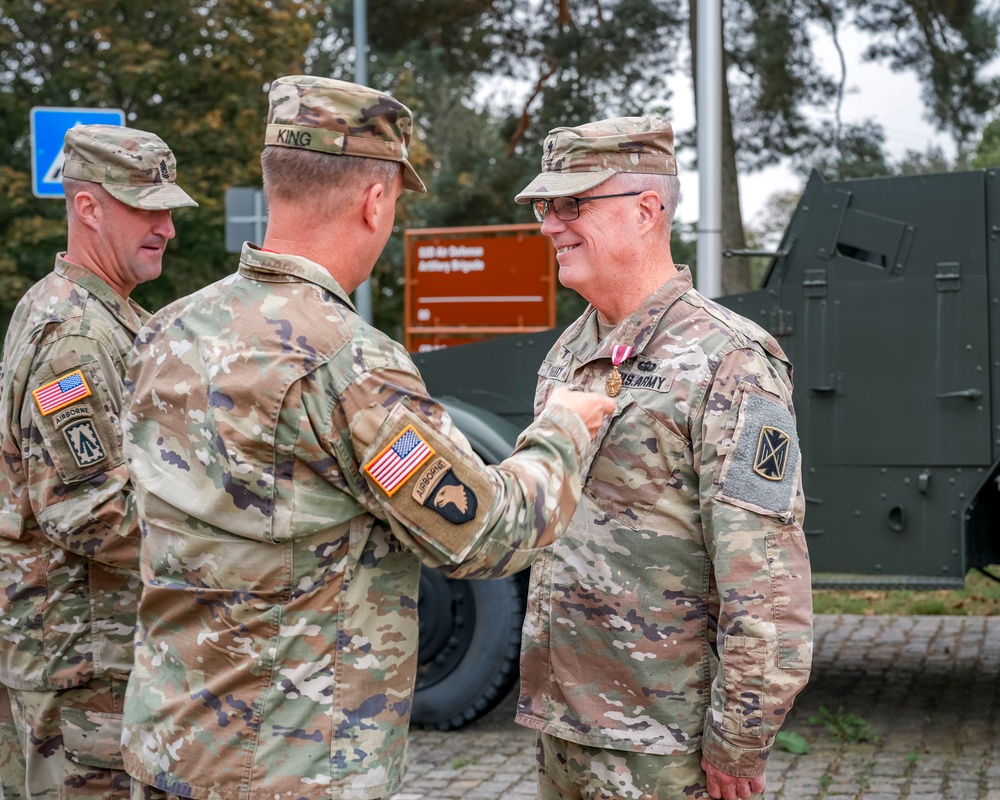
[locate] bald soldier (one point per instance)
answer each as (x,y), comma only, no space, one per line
(68,534)
(669,631)
(292,475)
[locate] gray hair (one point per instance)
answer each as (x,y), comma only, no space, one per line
(668,187)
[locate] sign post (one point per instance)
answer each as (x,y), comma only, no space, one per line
(473,283)
(48,128)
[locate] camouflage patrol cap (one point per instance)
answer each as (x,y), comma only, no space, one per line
(340,118)
(134,166)
(577,159)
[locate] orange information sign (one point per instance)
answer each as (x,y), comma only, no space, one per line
(465,284)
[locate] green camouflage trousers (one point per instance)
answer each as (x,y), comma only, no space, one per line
(71,741)
(571,771)
(11,760)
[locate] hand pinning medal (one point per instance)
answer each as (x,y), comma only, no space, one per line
(619,353)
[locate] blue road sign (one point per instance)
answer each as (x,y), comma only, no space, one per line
(48,127)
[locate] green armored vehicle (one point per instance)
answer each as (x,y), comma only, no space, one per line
(885,295)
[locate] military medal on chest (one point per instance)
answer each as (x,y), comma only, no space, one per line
(619,353)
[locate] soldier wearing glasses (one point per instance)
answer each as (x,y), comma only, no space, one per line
(669,630)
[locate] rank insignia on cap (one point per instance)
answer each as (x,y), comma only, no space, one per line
(61,392)
(391,468)
(84,443)
(772,453)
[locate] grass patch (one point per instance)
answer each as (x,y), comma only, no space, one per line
(980,597)
(843,726)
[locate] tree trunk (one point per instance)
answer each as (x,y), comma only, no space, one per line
(735,271)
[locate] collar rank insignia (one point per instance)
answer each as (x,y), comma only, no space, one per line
(772,453)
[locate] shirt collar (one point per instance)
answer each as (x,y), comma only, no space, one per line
(129,313)
(280,266)
(583,339)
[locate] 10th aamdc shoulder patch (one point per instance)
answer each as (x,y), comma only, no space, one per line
(759,472)
(772,453)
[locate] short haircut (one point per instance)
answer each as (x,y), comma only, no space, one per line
(73,186)
(667,186)
(292,174)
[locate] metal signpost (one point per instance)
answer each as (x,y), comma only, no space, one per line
(246,217)
(48,128)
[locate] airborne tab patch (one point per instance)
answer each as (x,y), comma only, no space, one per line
(84,443)
(772,453)
(61,392)
(394,466)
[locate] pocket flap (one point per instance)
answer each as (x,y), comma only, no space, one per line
(11,525)
(92,738)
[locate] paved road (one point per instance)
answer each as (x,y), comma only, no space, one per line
(929,687)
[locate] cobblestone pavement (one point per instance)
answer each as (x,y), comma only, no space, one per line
(928,687)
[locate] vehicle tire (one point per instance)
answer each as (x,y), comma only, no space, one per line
(470,641)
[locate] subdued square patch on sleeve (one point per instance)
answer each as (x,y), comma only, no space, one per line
(761,468)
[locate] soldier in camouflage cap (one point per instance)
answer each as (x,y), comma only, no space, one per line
(292,475)
(68,533)
(669,630)
(133,166)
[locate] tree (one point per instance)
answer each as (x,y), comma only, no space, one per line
(987,153)
(581,60)
(193,71)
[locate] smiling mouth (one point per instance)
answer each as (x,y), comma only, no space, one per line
(566,249)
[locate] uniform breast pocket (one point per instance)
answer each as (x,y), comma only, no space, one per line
(637,459)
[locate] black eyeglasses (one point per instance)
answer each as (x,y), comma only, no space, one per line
(568,208)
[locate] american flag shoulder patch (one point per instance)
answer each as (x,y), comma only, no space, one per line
(61,392)
(403,456)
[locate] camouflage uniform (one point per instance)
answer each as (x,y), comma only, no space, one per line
(68,534)
(674,617)
(11,758)
(292,475)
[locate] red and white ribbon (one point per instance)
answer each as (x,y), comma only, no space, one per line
(620,353)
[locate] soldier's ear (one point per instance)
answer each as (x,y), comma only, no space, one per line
(373,206)
(87,208)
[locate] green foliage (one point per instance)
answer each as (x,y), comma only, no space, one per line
(190,71)
(987,153)
(792,742)
(196,73)
(980,597)
(825,780)
(947,46)
(843,726)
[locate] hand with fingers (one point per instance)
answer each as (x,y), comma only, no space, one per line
(729,787)
(591,407)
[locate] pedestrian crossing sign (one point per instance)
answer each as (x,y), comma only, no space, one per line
(48,128)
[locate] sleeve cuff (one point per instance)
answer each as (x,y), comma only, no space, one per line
(743,762)
(571,424)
